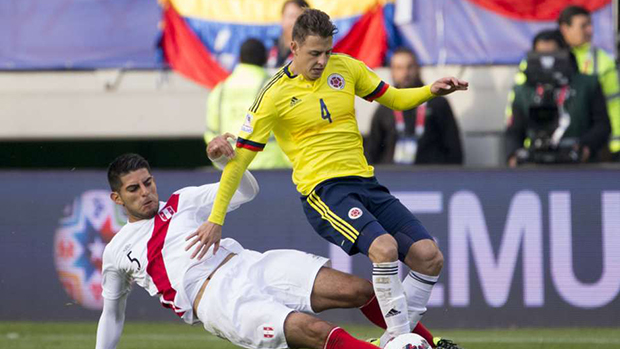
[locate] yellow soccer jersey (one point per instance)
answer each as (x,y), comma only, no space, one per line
(314,121)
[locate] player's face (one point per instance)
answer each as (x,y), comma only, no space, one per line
(138,194)
(404,70)
(579,31)
(310,58)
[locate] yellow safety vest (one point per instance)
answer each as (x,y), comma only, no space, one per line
(595,61)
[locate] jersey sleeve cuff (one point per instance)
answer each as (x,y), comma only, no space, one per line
(220,162)
(427,89)
(217,219)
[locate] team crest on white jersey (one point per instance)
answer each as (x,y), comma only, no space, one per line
(355,213)
(247,125)
(166,213)
(335,81)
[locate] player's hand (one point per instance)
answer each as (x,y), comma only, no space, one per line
(445,86)
(220,146)
(207,234)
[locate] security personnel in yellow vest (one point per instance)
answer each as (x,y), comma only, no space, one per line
(576,28)
(229,101)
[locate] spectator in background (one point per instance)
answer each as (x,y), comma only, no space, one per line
(229,101)
(280,52)
(581,100)
(428,134)
(575,25)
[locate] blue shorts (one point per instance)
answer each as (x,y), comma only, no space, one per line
(352,212)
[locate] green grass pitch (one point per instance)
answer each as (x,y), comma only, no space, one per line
(138,335)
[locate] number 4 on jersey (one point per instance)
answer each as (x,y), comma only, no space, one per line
(324,112)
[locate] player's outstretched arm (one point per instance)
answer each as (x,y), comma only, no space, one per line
(409,98)
(210,233)
(111,323)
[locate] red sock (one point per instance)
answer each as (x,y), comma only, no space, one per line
(340,339)
(372,311)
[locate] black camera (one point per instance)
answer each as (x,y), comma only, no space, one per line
(554,68)
(549,75)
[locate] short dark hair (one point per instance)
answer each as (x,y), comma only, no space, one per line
(123,165)
(313,22)
(253,52)
(406,50)
(300,3)
(567,14)
(550,35)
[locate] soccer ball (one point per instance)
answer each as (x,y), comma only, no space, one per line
(408,341)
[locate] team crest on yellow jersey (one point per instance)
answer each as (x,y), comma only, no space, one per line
(335,81)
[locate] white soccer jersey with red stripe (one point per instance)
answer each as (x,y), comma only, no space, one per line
(152,253)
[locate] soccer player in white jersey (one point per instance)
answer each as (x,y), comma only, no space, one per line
(222,290)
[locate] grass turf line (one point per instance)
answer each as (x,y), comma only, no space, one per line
(138,335)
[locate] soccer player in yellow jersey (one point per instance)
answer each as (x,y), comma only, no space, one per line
(309,106)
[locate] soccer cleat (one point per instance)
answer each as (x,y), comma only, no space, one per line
(441,343)
(374,341)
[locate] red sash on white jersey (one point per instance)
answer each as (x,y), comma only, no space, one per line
(156,267)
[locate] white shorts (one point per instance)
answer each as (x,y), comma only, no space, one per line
(249,297)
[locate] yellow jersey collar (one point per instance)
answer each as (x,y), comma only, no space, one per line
(288,72)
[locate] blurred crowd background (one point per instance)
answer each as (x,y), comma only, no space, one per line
(161,77)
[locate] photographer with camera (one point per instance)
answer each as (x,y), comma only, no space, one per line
(558,115)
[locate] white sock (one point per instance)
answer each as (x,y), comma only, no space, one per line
(418,289)
(391,297)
